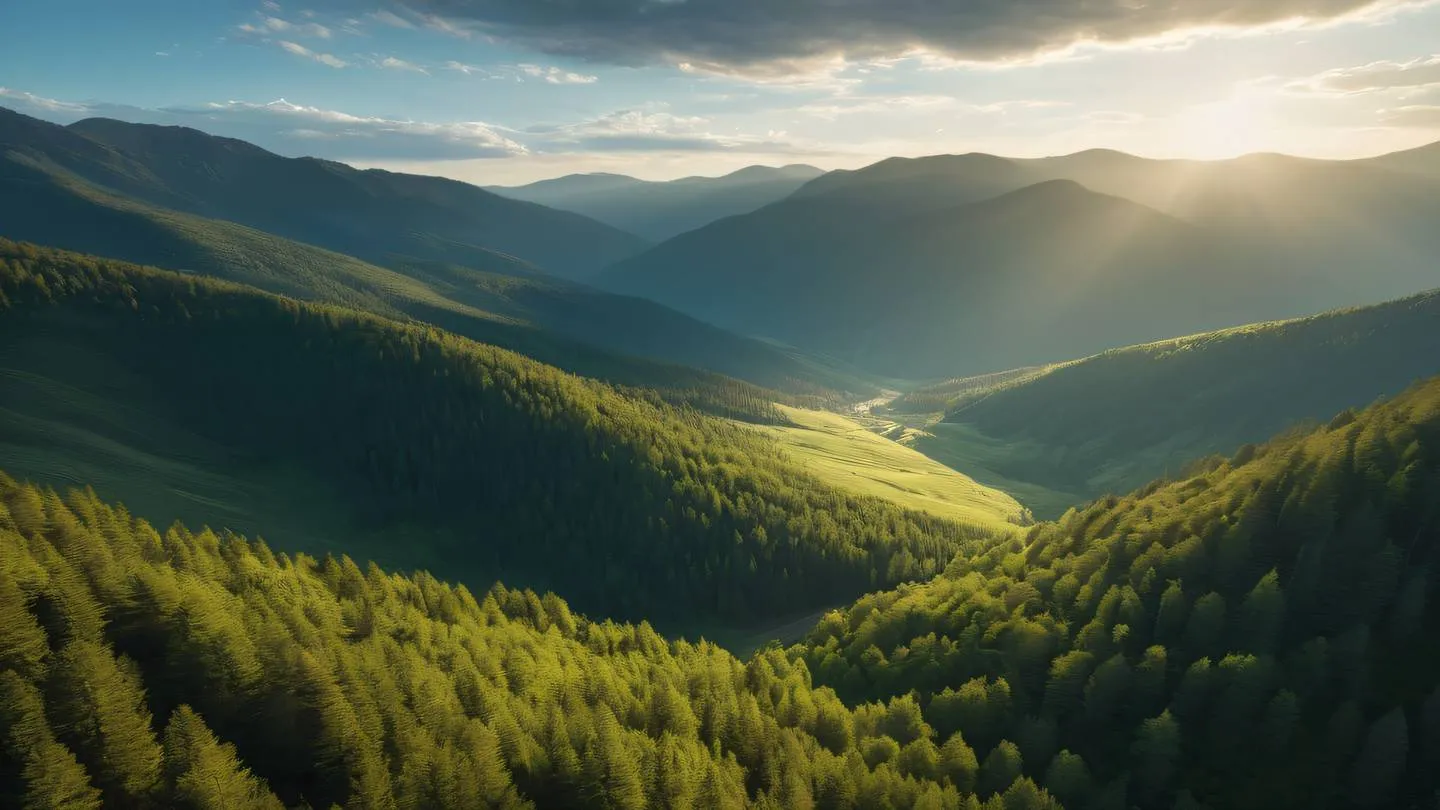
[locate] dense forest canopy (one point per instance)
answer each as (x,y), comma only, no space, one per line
(182,669)
(1256,635)
(630,507)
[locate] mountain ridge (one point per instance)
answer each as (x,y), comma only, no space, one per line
(369,214)
(659,210)
(1288,231)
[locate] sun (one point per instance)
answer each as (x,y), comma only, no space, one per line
(1242,123)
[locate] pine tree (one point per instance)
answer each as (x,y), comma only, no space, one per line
(1002,766)
(51,778)
(958,763)
(1376,773)
(205,774)
(102,715)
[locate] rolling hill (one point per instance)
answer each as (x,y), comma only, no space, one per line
(372,215)
(660,210)
(1003,263)
(1420,160)
(1112,421)
(196,398)
(1254,634)
(493,297)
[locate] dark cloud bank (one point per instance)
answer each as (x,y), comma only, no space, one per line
(751,34)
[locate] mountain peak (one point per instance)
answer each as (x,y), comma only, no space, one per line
(130,136)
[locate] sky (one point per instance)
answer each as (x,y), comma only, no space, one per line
(510,91)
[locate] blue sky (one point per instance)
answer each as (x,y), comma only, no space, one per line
(506,91)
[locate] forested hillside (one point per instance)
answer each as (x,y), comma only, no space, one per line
(1116,420)
(181,669)
(430,448)
(372,214)
(1254,635)
(45,197)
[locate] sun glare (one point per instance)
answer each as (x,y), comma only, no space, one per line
(1227,128)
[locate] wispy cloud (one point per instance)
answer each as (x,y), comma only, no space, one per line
(323,58)
(394,63)
(1374,77)
(649,130)
(390,18)
(305,129)
(445,26)
(1418,116)
(36,103)
(469,70)
(835,108)
(555,75)
(276,25)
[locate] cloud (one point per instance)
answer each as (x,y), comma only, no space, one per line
(391,19)
(641,130)
(870,105)
(323,58)
(299,129)
(551,75)
(469,70)
(40,104)
(392,63)
(276,25)
(1374,77)
(555,75)
(1418,116)
(749,35)
(866,105)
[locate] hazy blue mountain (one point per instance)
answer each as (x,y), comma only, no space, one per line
(476,292)
(374,215)
(971,263)
(660,210)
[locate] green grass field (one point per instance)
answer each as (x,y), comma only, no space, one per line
(975,455)
(841,451)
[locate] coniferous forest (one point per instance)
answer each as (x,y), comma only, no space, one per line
(630,507)
(347,503)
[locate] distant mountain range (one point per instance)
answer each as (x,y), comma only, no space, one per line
(660,210)
(137,199)
(373,215)
(1421,160)
(972,263)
